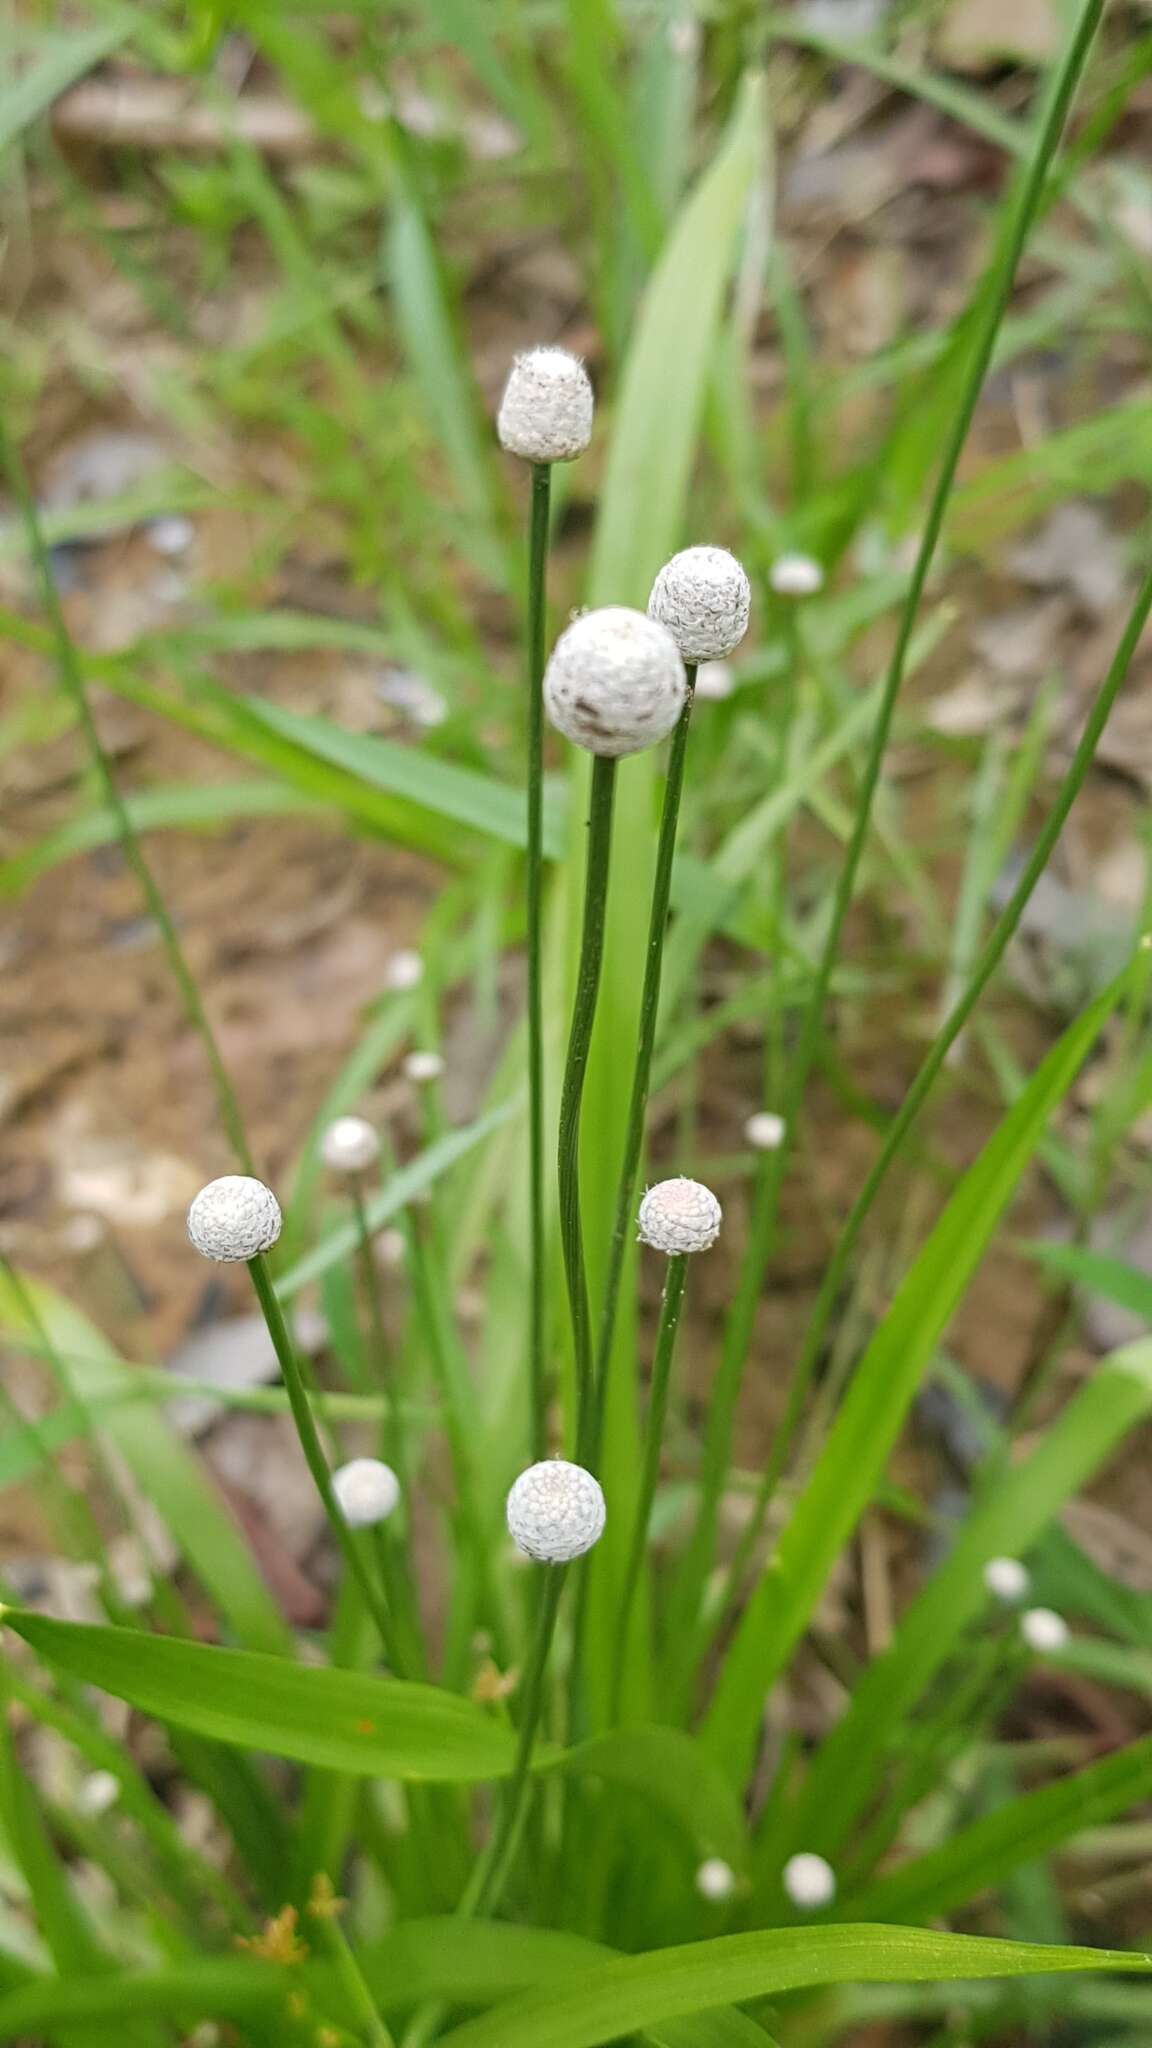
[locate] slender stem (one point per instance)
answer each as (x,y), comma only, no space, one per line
(314,1451)
(537,616)
(72,676)
(344,1960)
(579,1042)
(642,1071)
(490,1875)
(393,1435)
(653,1445)
(984,318)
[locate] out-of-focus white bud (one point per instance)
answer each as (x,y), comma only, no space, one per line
(555,1511)
(367,1491)
(796,576)
(715,1879)
(615,682)
(1007,1579)
(1043,1629)
(679,1216)
(350,1145)
(809,1881)
(234,1218)
(405,970)
(765,1131)
(546,411)
(703,597)
(423,1067)
(714,682)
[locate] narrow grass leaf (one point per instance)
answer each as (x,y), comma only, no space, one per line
(671,1770)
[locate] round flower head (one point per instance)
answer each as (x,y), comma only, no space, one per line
(714,682)
(715,1879)
(350,1145)
(1043,1629)
(423,1066)
(679,1216)
(546,411)
(366,1491)
(555,1511)
(615,682)
(702,596)
(234,1218)
(809,1881)
(405,970)
(765,1131)
(796,576)
(1007,1579)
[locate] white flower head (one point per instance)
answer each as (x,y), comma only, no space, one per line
(714,682)
(679,1215)
(555,1511)
(99,1791)
(350,1145)
(1043,1629)
(367,1491)
(405,970)
(546,411)
(423,1067)
(234,1218)
(715,1879)
(1007,1579)
(765,1131)
(703,597)
(615,682)
(796,576)
(809,1881)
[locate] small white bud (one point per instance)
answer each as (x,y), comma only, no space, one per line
(765,1131)
(715,1879)
(555,1511)
(405,970)
(703,597)
(714,682)
(423,1067)
(392,1248)
(350,1145)
(1007,1579)
(809,1881)
(796,576)
(234,1218)
(615,682)
(171,534)
(679,1216)
(546,411)
(99,1791)
(367,1491)
(1043,1629)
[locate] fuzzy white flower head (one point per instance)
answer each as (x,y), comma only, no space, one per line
(405,970)
(679,1216)
(367,1491)
(715,1879)
(714,682)
(350,1145)
(1007,1579)
(423,1067)
(234,1218)
(703,597)
(765,1131)
(555,1511)
(99,1791)
(809,1881)
(615,682)
(546,411)
(796,576)
(1043,1629)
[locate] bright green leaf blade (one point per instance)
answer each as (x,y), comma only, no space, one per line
(1096,1273)
(674,1772)
(175,807)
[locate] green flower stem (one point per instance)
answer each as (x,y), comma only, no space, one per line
(984,318)
(371,2024)
(393,1550)
(537,617)
(653,1445)
(642,1071)
(72,677)
(314,1452)
(491,1873)
(603,796)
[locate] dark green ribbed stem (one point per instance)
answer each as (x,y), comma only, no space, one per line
(490,1875)
(653,1445)
(576,1066)
(537,619)
(642,1071)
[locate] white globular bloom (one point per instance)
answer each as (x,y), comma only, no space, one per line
(423,1067)
(1043,1629)
(1007,1579)
(703,597)
(615,682)
(405,970)
(715,1879)
(555,1511)
(367,1491)
(809,1881)
(765,1131)
(546,411)
(796,576)
(350,1145)
(99,1791)
(234,1218)
(714,682)
(679,1216)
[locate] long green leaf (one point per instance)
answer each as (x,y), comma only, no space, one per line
(1097,1273)
(671,1770)
(60,61)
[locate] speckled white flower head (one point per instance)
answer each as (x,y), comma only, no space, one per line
(423,1067)
(765,1131)
(555,1511)
(350,1145)
(615,682)
(1007,1579)
(233,1218)
(546,411)
(715,1879)
(367,1491)
(809,1881)
(702,595)
(1043,1629)
(796,576)
(679,1216)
